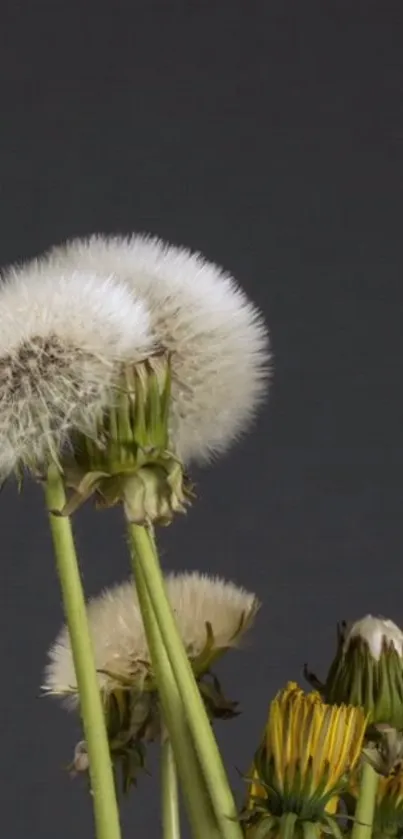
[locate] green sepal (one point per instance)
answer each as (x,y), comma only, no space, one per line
(130,762)
(129,461)
(217,706)
(287,826)
(331,828)
(264,828)
(310,830)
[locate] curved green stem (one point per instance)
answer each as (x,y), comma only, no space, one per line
(142,548)
(201,816)
(364,811)
(102,782)
(170,800)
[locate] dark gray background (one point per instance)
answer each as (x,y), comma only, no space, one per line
(269,135)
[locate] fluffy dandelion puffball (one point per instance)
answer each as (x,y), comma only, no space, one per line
(118,636)
(61,336)
(217,338)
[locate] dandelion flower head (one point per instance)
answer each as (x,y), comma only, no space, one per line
(62,335)
(217,338)
(118,636)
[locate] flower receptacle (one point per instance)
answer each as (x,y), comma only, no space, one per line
(130,460)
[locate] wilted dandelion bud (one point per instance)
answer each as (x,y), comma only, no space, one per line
(62,337)
(212,616)
(214,335)
(302,766)
(384,748)
(368,670)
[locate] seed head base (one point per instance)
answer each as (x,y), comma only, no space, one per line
(130,460)
(133,715)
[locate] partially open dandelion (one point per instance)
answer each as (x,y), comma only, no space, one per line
(367,670)
(212,616)
(302,766)
(62,335)
(215,336)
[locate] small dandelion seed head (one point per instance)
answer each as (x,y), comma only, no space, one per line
(217,337)
(62,336)
(117,631)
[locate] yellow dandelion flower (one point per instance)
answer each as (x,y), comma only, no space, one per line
(308,750)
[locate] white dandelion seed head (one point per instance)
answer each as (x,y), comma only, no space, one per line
(376,631)
(218,339)
(198,599)
(119,641)
(61,336)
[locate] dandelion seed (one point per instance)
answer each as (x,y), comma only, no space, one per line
(216,336)
(62,335)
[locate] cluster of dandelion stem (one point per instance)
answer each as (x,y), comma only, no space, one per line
(117,355)
(330,761)
(130,463)
(317,768)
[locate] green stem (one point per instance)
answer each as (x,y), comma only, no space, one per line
(197,800)
(364,811)
(106,811)
(212,767)
(170,800)
(287,826)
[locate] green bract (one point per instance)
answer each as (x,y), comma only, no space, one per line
(130,461)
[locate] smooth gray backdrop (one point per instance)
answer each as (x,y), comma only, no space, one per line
(268,135)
